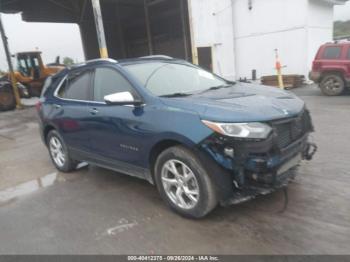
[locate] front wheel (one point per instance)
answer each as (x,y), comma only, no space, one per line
(184,183)
(59,153)
(332,85)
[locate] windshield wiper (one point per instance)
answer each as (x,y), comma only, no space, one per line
(177,95)
(216,87)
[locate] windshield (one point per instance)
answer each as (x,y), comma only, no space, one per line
(164,78)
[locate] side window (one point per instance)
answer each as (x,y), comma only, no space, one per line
(22,66)
(108,81)
(76,86)
(332,52)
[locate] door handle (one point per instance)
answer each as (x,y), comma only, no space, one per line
(56,106)
(93,111)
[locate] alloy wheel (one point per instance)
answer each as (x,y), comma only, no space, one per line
(332,85)
(180,184)
(57,151)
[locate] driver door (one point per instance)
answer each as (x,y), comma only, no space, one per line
(114,132)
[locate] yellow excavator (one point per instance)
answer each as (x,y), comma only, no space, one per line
(30,76)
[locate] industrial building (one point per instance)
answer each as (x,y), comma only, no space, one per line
(230,37)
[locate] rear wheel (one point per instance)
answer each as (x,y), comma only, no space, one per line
(7,99)
(184,183)
(332,85)
(59,153)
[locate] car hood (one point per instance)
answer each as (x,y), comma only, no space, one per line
(240,103)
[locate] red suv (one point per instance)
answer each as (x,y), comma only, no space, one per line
(331,68)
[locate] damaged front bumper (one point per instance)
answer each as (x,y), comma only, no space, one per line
(248,168)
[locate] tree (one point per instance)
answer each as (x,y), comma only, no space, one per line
(68,61)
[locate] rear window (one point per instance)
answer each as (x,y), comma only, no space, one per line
(332,52)
(76,86)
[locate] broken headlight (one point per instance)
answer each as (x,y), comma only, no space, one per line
(254,130)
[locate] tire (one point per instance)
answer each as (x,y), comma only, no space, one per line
(196,190)
(7,99)
(332,85)
(56,146)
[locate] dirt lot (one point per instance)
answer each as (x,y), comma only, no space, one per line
(96,211)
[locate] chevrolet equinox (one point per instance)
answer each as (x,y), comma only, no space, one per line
(202,140)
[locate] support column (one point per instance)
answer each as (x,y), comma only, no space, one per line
(99,28)
(8,57)
(184,31)
(193,45)
(148,28)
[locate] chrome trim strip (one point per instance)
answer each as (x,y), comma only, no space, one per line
(157,56)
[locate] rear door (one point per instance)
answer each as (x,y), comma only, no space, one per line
(71,110)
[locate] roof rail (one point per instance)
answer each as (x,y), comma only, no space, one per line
(92,61)
(157,56)
(101,59)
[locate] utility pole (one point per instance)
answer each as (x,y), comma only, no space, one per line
(96,7)
(11,72)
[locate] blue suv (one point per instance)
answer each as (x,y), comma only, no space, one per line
(202,140)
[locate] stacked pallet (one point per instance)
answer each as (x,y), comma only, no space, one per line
(289,81)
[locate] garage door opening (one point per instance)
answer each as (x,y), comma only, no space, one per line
(205,58)
(145,27)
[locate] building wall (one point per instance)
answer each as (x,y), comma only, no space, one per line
(212,27)
(270,25)
(319,27)
(245,38)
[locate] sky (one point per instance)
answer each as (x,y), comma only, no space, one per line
(55,39)
(52,39)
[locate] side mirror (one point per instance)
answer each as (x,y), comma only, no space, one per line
(121,98)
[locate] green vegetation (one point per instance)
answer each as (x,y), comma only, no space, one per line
(68,61)
(341,29)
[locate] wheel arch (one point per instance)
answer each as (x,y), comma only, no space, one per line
(162,145)
(46,131)
(336,71)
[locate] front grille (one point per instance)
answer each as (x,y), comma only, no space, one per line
(290,130)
